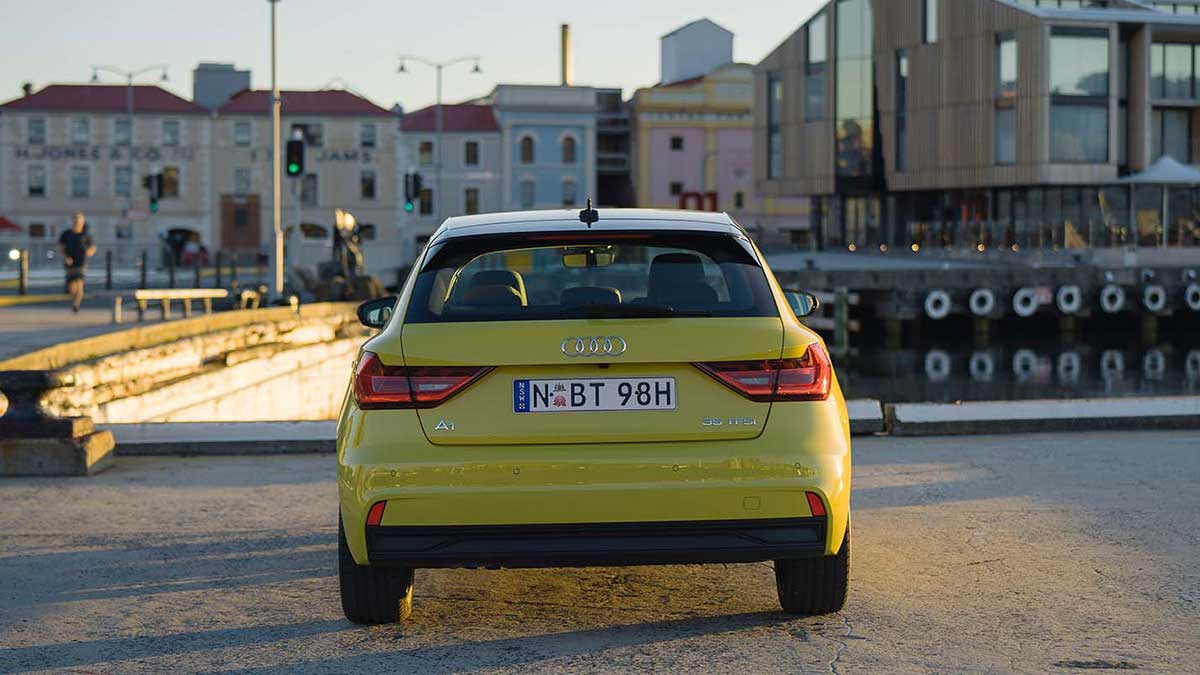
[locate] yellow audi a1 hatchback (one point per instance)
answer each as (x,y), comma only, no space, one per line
(583,388)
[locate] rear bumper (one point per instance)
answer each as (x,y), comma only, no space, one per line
(596,544)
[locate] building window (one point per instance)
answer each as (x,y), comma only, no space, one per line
(1172,71)
(854,100)
(677,142)
(121,131)
(930,17)
(527,150)
(366,231)
(528,187)
(170,181)
(425,153)
(35,131)
(121,180)
(568,150)
(569,193)
(367,135)
(37,181)
(901,109)
(1079,73)
(170,132)
(774,135)
(243,134)
(471,201)
(312,133)
(471,153)
(366,183)
(37,230)
(81,182)
(739,200)
(426,197)
(81,131)
(308,190)
(676,189)
(1005,119)
(814,69)
(241,181)
(1172,134)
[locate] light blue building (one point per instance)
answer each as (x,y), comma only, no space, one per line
(548,145)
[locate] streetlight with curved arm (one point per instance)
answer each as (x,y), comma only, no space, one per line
(129,76)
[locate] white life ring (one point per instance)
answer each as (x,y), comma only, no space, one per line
(1024,364)
(1154,298)
(982,301)
(1025,302)
(982,366)
(1154,365)
(937,305)
(1069,299)
(1069,367)
(1192,297)
(1112,299)
(1191,365)
(1112,364)
(937,365)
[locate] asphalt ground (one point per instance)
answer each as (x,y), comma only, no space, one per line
(1063,553)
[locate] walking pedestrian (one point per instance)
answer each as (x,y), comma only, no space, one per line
(76,247)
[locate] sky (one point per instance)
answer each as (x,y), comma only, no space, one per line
(356,43)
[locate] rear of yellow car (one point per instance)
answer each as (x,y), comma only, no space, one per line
(634,393)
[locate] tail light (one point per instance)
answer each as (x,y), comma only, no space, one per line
(806,378)
(378,386)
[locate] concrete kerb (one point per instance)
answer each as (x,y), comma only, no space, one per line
(1009,417)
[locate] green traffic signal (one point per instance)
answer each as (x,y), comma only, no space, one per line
(408,207)
(153,206)
(293,169)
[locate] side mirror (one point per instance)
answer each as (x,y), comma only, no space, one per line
(802,303)
(375,313)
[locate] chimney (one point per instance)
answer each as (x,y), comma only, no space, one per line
(567,66)
(27,88)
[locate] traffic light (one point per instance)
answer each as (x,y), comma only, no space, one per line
(295,158)
(412,190)
(154,185)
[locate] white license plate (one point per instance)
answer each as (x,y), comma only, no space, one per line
(598,394)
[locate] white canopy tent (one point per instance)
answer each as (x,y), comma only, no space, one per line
(1165,173)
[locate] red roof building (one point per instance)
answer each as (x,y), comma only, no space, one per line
(103,98)
(326,102)
(464,117)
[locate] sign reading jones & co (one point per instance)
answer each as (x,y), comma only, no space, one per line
(95,153)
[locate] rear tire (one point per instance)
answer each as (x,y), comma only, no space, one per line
(372,595)
(811,586)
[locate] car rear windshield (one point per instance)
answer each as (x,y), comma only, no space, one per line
(595,275)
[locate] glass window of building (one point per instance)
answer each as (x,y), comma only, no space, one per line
(1006,135)
(471,201)
(1005,120)
(528,187)
(36,131)
(312,133)
(930,16)
(308,190)
(1006,65)
(367,135)
(170,181)
(81,182)
(854,91)
(121,131)
(739,200)
(774,134)
(675,188)
(121,180)
(170,132)
(471,153)
(1171,134)
(817,42)
(677,142)
(901,109)
(242,181)
(568,150)
(1079,75)
(37,181)
(814,69)
(426,197)
(366,184)
(81,131)
(569,193)
(243,134)
(425,153)
(527,150)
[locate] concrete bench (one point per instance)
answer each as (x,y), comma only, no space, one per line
(143,297)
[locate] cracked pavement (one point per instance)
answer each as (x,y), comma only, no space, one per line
(1064,553)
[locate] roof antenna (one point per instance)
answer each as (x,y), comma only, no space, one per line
(589,215)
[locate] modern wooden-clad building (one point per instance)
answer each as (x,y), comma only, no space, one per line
(986,123)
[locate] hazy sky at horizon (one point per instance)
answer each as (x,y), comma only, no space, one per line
(615,42)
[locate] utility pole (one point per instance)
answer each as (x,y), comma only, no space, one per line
(129,76)
(276,207)
(437,118)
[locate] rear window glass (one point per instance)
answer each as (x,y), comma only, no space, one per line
(593,275)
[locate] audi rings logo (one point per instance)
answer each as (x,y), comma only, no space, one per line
(594,346)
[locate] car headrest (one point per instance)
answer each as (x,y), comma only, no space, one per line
(589,295)
(509,278)
(670,271)
(496,295)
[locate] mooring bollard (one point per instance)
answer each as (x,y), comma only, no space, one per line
(841,319)
(23,274)
(142,284)
(171,270)
(196,280)
(108,270)
(39,444)
(233,280)
(217,283)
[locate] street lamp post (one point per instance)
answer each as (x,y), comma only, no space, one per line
(129,76)
(276,191)
(437,117)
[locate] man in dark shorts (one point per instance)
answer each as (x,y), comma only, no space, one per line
(76,247)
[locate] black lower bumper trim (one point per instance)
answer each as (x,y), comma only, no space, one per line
(597,544)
